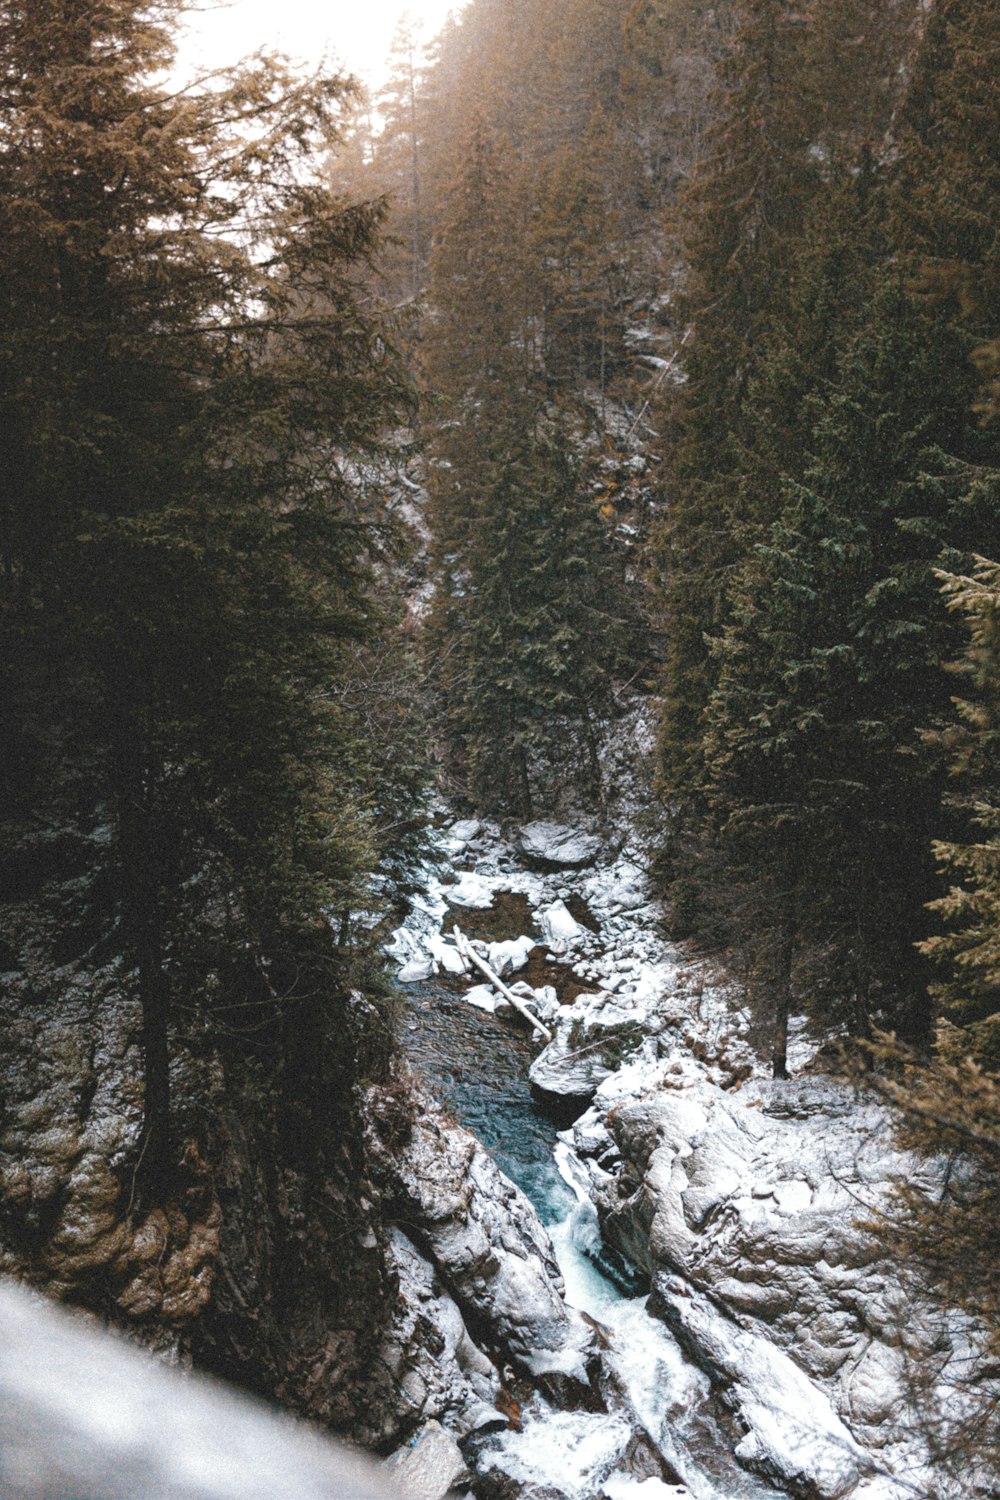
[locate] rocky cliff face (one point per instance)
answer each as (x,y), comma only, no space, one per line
(267,1261)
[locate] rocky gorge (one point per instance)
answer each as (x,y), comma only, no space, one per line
(756,1337)
(619,1264)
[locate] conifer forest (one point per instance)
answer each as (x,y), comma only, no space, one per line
(566,475)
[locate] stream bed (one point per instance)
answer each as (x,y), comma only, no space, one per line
(476,1064)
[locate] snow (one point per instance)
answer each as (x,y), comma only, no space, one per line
(560,929)
(471,890)
(642,1489)
(571,1452)
(445,954)
(507,957)
(483,996)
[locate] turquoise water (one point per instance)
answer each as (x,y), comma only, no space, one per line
(478,1067)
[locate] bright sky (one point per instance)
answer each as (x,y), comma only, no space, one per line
(355,33)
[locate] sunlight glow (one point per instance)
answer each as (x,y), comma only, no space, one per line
(354,36)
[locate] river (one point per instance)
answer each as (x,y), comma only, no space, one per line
(477,1065)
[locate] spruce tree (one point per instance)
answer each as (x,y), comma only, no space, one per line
(743,211)
(189,370)
(969,998)
(822,791)
(544,629)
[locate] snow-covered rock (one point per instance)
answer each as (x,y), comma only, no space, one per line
(471,890)
(622,888)
(556,844)
(445,954)
(490,1249)
(416,969)
(509,956)
(584,1050)
(560,929)
(757,1199)
(792,1433)
(465,830)
(428,1466)
(427,1365)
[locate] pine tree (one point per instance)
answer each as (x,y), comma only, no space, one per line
(744,207)
(188,370)
(544,630)
(822,791)
(970,997)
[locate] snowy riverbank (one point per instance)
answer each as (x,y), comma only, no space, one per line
(774,1352)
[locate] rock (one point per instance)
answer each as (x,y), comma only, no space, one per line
(560,930)
(756,1199)
(489,1246)
(592,1038)
(445,954)
(427,1365)
(554,844)
(428,1466)
(622,888)
(507,957)
(793,1434)
(542,1001)
(416,969)
(465,830)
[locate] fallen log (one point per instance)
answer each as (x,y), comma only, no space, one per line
(466,949)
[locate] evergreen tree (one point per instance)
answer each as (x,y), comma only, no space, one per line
(744,209)
(970,997)
(188,372)
(543,628)
(822,792)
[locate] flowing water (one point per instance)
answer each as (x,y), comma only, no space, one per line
(477,1065)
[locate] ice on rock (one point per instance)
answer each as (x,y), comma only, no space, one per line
(560,929)
(556,844)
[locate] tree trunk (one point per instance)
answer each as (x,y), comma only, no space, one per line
(781,1001)
(524,782)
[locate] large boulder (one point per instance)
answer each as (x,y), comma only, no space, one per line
(427,1365)
(488,1245)
(555,845)
(749,1211)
